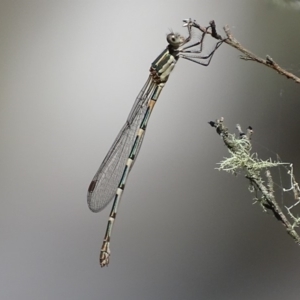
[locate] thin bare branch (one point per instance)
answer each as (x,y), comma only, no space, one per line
(247,55)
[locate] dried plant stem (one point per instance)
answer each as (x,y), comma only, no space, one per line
(247,55)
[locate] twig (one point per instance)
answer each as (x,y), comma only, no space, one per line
(242,160)
(247,55)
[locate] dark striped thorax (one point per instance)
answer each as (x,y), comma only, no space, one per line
(163,65)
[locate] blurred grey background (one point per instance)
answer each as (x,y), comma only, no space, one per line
(69,74)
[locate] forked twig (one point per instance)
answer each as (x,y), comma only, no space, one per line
(247,55)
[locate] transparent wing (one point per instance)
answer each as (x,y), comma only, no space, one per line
(105,182)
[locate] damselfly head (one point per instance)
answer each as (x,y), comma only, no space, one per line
(175,39)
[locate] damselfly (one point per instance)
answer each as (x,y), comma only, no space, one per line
(110,180)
